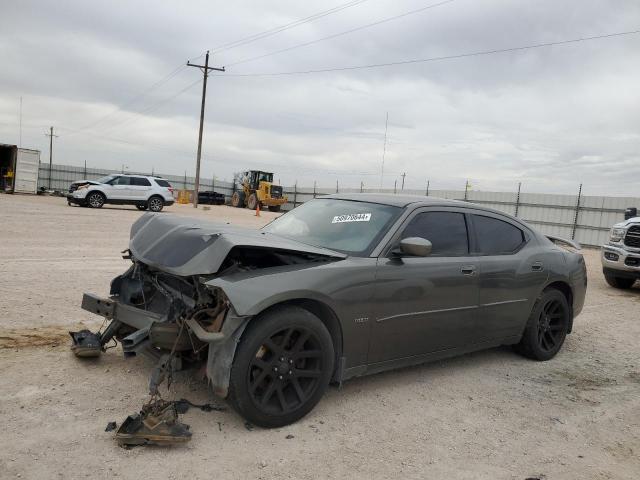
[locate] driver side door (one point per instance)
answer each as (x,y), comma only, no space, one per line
(426,304)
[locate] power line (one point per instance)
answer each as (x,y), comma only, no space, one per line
(282,28)
(329,37)
(138,97)
(154,106)
(434,59)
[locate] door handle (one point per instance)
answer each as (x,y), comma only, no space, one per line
(537,267)
(468,270)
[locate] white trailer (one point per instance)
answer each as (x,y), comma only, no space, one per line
(19,168)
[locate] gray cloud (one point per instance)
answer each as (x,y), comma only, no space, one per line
(550,118)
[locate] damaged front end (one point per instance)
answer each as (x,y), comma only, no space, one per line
(165,307)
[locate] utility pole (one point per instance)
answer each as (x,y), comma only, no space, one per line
(205,70)
(50,135)
(384,149)
(404,174)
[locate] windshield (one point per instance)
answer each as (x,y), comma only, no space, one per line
(344,225)
(105,179)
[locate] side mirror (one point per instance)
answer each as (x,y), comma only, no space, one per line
(415,246)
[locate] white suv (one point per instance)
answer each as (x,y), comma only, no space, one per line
(151,193)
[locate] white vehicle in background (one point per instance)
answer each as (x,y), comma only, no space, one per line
(621,256)
(144,192)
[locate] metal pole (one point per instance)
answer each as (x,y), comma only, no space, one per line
(395,185)
(361,186)
(337,186)
(384,149)
(466,190)
(20,141)
(85,169)
(404,174)
(575,218)
(427,188)
(314,189)
(295,194)
(518,199)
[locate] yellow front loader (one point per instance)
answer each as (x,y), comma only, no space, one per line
(257,187)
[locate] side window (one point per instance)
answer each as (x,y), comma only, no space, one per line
(140,182)
(496,237)
(121,181)
(162,183)
(447,232)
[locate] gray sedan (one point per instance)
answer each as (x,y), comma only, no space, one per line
(342,286)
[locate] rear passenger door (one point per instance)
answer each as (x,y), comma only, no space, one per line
(510,273)
(140,188)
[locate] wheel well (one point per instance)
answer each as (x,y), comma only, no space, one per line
(568,293)
(95,191)
(155,195)
(328,318)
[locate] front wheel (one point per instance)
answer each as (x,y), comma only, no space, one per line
(282,367)
(237,199)
(547,326)
(95,200)
(155,204)
(619,282)
(252,201)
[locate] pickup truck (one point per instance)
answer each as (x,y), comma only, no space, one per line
(621,255)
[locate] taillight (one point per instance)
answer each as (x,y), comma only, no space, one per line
(170,190)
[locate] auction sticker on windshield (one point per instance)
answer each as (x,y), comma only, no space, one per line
(352,217)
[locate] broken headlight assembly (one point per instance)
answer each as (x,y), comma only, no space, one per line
(616,234)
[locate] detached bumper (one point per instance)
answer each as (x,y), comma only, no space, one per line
(620,262)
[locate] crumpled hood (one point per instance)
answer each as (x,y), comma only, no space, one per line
(82,182)
(186,246)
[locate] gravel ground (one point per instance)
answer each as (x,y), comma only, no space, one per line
(488,415)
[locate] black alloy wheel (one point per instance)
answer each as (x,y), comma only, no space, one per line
(551,325)
(282,367)
(547,326)
(285,371)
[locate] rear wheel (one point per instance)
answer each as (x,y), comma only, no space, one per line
(95,199)
(155,204)
(237,199)
(547,326)
(282,367)
(252,201)
(274,208)
(619,282)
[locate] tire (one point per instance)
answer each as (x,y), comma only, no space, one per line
(274,208)
(237,199)
(252,201)
(95,199)
(276,380)
(155,204)
(141,206)
(547,326)
(619,282)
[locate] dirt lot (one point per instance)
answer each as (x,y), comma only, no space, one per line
(487,415)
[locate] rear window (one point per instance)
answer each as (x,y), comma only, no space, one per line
(496,237)
(140,182)
(162,183)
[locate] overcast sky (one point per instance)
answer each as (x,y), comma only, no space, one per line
(549,117)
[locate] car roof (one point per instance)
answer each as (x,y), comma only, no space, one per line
(396,200)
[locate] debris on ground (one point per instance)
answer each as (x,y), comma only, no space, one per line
(156,424)
(111,426)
